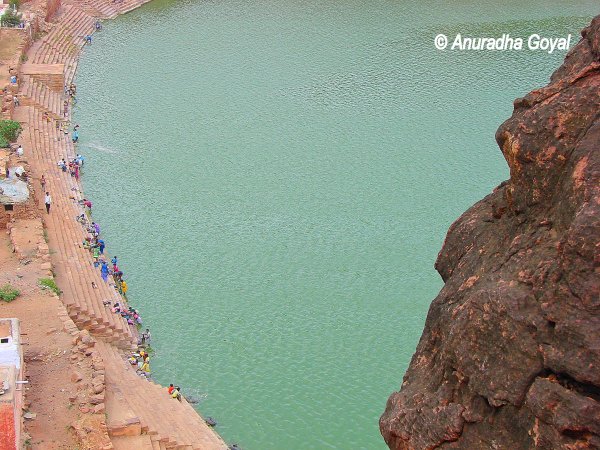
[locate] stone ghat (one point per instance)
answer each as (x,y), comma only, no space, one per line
(140,414)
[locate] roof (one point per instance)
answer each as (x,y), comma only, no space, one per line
(13,190)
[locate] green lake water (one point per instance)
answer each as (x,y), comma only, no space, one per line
(277,179)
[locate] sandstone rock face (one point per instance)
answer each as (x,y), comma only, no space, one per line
(510,354)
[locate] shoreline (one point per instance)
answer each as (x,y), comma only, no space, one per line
(52,58)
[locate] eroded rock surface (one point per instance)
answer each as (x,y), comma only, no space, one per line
(510,354)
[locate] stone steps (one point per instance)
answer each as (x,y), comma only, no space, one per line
(62,43)
(170,422)
(141,414)
(132,443)
(66,235)
(37,94)
(100,9)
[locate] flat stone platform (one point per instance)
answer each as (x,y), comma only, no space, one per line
(43,69)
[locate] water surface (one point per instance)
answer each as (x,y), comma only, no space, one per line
(277,179)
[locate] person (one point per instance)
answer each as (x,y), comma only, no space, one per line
(88,39)
(87,204)
(80,159)
(63,165)
(96,228)
(148,335)
(114,263)
(47,202)
(43,182)
(175,393)
(19,151)
(104,271)
(124,287)
(95,254)
(98,25)
(144,338)
(16,100)
(76,172)
(146,366)
(75,136)
(101,246)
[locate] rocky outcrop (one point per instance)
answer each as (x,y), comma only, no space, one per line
(510,353)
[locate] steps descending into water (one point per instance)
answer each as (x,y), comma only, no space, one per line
(141,414)
(168,421)
(83,301)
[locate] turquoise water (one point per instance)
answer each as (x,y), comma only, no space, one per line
(277,179)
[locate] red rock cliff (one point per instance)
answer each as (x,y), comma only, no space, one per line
(510,354)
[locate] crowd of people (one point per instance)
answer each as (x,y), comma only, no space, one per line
(74,166)
(110,273)
(113,275)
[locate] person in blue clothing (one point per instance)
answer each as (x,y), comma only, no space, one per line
(75,136)
(101,246)
(104,271)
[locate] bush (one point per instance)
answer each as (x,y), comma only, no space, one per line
(8,293)
(9,130)
(3,142)
(14,3)
(10,18)
(48,283)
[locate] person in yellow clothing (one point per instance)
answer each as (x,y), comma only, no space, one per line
(176,394)
(146,366)
(124,287)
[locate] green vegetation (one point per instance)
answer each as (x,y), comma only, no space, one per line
(10,18)
(8,293)
(48,283)
(9,131)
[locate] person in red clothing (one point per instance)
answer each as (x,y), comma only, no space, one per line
(174,392)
